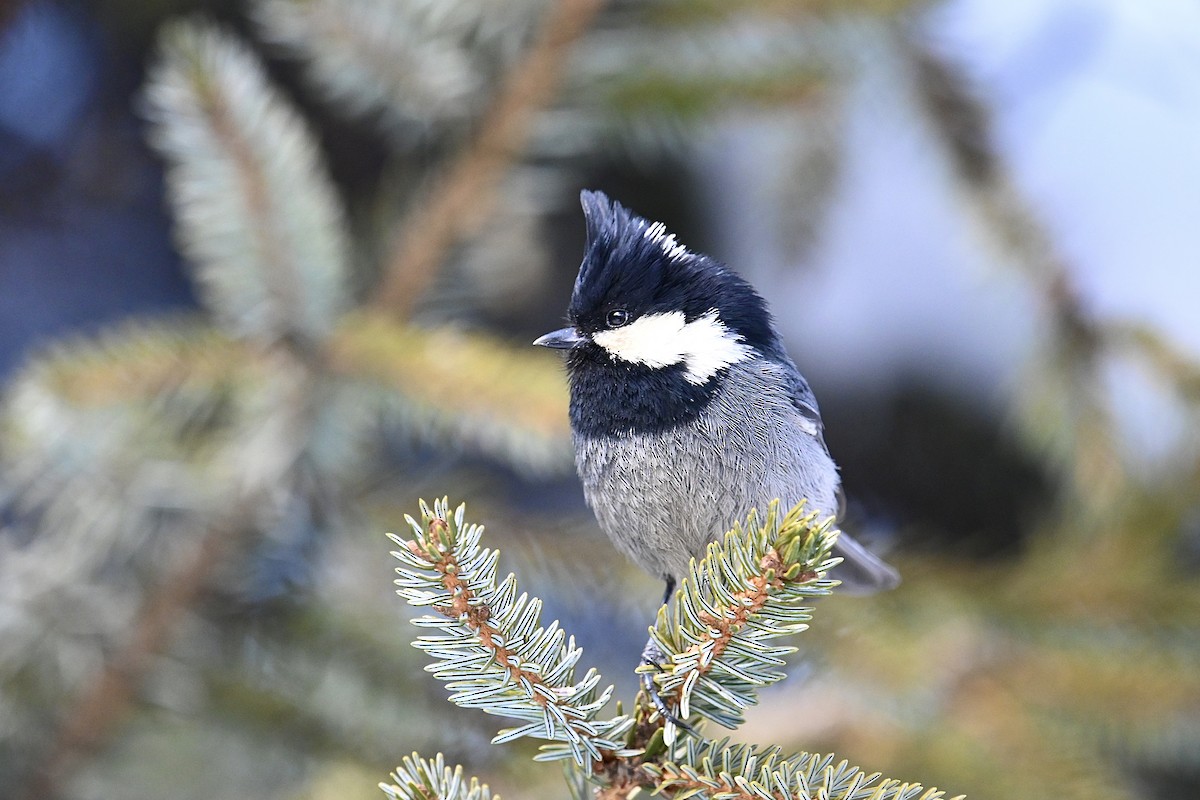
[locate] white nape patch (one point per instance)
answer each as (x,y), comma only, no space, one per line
(704,345)
(657,233)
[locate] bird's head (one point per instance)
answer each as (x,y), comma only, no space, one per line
(645,302)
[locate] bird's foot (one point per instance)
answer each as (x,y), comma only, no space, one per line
(654,657)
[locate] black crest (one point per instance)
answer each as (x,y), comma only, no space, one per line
(632,263)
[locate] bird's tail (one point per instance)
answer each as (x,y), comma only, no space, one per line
(861,571)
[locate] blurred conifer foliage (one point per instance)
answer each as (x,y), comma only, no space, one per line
(171,481)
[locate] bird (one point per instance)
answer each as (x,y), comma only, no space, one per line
(686,410)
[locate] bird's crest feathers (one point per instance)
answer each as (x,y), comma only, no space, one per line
(618,239)
(633,263)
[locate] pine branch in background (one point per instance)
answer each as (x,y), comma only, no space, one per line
(1069,662)
(255,211)
(692,11)
(114,452)
(101,708)
(420,67)
(655,86)
(452,387)
(1176,368)
(1066,409)
(697,74)
(1066,414)
(264,232)
(142,436)
(465,193)
(494,654)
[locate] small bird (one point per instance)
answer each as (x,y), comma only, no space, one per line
(686,412)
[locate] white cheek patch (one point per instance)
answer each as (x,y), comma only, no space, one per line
(704,345)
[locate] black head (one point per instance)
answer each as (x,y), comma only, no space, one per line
(654,326)
(633,265)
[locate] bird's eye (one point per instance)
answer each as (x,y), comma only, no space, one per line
(617,317)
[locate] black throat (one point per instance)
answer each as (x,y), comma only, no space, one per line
(616,398)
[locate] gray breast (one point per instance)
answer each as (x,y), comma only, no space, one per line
(661,498)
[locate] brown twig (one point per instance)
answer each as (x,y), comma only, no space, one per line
(963,125)
(1077,347)
(462,198)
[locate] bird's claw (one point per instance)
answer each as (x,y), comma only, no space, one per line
(653,657)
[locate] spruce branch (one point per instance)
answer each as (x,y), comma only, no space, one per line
(1160,355)
(270,460)
(744,772)
(145,362)
(425,779)
(256,212)
(699,11)
(750,588)
(694,97)
(493,653)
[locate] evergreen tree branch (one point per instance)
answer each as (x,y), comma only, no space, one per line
(1068,416)
(417,68)
(256,213)
(132,363)
(426,779)
(114,451)
(462,197)
(183,388)
(685,11)
(750,588)
(267,458)
(963,125)
(493,652)
(96,714)
(744,772)
(263,461)
(690,97)
(448,386)
(1177,368)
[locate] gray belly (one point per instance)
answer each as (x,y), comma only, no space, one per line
(661,498)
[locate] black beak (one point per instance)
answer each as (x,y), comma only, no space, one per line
(563,339)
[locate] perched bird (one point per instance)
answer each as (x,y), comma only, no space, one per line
(686,412)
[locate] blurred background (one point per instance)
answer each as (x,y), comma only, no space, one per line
(269,271)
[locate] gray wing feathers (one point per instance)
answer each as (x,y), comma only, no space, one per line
(861,571)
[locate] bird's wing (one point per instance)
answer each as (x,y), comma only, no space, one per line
(810,422)
(861,571)
(805,403)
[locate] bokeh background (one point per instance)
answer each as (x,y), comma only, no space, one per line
(268,274)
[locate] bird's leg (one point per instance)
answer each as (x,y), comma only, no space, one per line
(670,589)
(653,656)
